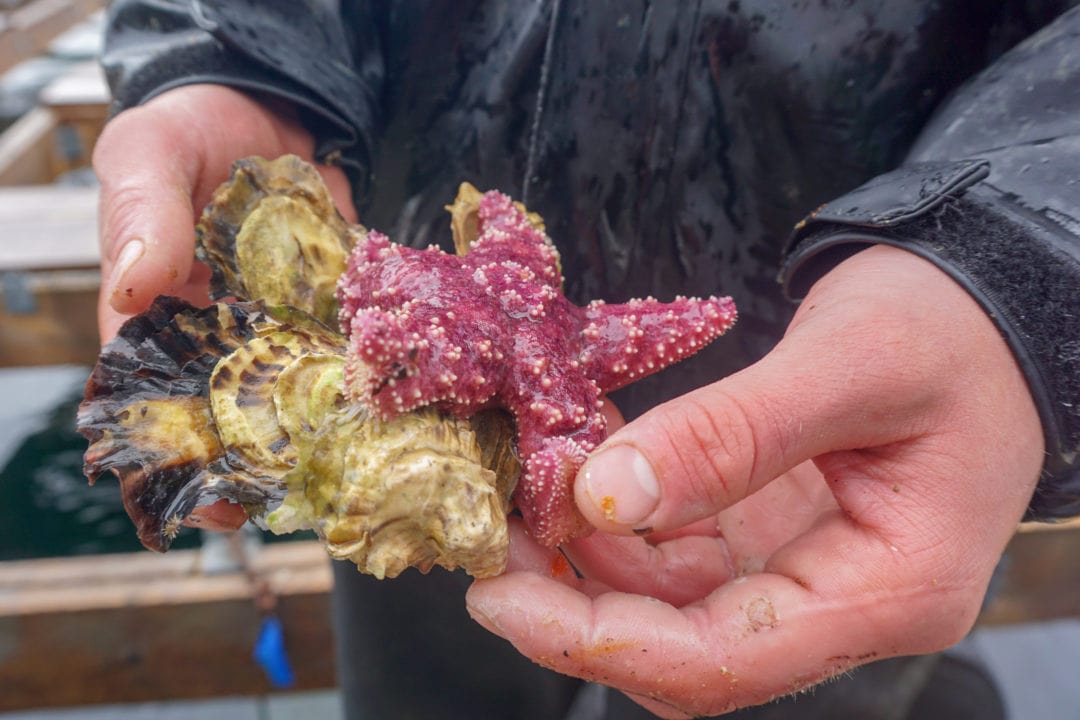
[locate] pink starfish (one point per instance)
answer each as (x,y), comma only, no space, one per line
(492,328)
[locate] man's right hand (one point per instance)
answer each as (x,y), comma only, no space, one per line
(158,165)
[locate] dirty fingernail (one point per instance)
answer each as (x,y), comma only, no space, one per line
(129,255)
(622,485)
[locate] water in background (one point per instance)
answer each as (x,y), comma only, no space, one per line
(47,508)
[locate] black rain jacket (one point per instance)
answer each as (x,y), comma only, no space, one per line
(673,146)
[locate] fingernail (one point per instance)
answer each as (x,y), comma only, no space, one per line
(130,254)
(622,485)
(482,614)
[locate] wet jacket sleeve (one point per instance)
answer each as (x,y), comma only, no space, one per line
(291,49)
(991,194)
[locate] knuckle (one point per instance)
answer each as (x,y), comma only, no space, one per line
(716,446)
(120,207)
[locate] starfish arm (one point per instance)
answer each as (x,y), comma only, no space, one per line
(399,361)
(505,233)
(545,492)
(358,283)
(623,343)
(559,423)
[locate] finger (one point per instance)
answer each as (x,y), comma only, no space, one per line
(677,571)
(684,565)
(109,321)
(611,415)
(222,515)
(695,456)
(734,648)
(530,556)
(527,555)
(195,292)
(158,165)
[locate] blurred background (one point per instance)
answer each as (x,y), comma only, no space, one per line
(93,627)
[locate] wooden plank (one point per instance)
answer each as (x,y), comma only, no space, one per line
(79,99)
(49,276)
(28,150)
(29,28)
(80,91)
(59,135)
(142,627)
(60,326)
(47,227)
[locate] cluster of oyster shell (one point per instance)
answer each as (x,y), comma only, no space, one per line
(243,400)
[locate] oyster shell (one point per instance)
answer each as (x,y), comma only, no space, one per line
(244,401)
(464,217)
(389,495)
(148,410)
(272,233)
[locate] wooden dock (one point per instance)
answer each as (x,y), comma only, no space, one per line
(140,627)
(48,254)
(49,276)
(49,257)
(1039,577)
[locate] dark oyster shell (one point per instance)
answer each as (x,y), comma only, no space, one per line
(148,410)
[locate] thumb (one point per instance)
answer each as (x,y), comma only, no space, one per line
(147,176)
(691,457)
(823,388)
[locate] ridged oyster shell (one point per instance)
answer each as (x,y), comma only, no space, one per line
(148,409)
(272,233)
(409,492)
(244,401)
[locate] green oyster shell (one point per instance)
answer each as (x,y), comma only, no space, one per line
(148,410)
(412,492)
(272,233)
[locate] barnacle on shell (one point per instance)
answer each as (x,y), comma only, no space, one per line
(244,401)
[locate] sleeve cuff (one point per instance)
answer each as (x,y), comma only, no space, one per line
(1022,267)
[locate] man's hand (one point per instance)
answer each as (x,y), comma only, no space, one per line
(845,499)
(158,164)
